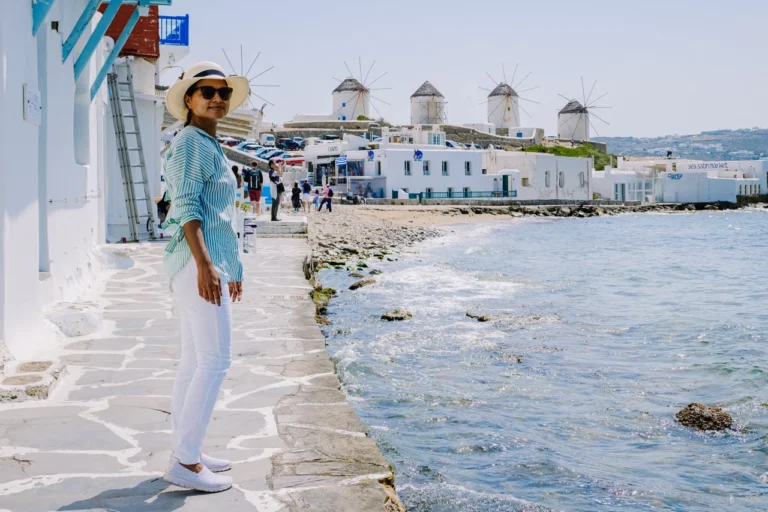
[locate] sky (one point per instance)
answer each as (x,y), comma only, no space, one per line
(668,66)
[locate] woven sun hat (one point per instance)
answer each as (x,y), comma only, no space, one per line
(174,99)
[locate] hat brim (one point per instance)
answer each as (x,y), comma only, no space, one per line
(174,99)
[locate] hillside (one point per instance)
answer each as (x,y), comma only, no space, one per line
(745,144)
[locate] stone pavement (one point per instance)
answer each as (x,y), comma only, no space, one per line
(101,441)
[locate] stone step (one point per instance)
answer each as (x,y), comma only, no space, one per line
(288,225)
(29,380)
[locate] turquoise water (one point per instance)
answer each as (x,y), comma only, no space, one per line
(606,328)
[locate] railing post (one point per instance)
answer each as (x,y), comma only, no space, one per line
(129,26)
(40,9)
(77,30)
(95,38)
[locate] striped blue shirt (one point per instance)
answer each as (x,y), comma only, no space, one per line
(202,188)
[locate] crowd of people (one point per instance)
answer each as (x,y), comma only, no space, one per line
(303,198)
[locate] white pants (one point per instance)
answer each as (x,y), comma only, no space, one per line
(206,339)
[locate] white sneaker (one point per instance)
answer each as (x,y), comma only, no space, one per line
(204,481)
(214,464)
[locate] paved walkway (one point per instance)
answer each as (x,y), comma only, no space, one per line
(100,442)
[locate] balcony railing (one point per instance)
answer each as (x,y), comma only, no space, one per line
(174,30)
(460,194)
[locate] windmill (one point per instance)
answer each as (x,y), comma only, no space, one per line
(573,120)
(504,100)
(352,97)
(249,103)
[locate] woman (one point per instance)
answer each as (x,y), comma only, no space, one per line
(306,188)
(276,177)
(316,199)
(296,197)
(203,263)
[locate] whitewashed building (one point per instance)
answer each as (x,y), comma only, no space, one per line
(543,177)
(681,181)
(54,165)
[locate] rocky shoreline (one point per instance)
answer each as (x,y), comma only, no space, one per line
(353,234)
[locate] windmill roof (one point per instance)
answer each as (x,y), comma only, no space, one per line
(427,89)
(574,107)
(349,84)
(502,90)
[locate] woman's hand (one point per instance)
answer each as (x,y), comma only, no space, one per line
(209,283)
(236,291)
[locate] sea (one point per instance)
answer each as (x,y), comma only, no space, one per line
(602,329)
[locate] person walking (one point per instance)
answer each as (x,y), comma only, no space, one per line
(296,197)
(238,176)
(306,189)
(275,176)
(203,264)
(255,181)
(316,199)
(327,200)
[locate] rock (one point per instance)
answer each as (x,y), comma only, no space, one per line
(350,249)
(375,272)
(356,275)
(515,214)
(397,315)
(76,319)
(464,211)
(711,207)
(703,417)
(564,212)
(361,283)
(479,316)
(690,208)
(336,263)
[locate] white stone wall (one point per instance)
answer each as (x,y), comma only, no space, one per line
(51,180)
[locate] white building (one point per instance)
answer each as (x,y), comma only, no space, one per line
(504,107)
(320,157)
(350,100)
(427,105)
(55,170)
(543,177)
(489,128)
(681,181)
(573,122)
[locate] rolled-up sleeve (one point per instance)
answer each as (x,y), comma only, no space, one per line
(184,172)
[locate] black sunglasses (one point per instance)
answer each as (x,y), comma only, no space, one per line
(209,91)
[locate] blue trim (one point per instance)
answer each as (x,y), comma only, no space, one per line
(95,37)
(40,9)
(129,26)
(77,31)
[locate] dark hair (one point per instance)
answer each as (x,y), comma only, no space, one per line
(234,168)
(189,93)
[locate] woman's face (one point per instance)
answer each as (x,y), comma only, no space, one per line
(213,109)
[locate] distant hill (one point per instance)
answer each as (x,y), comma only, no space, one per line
(745,144)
